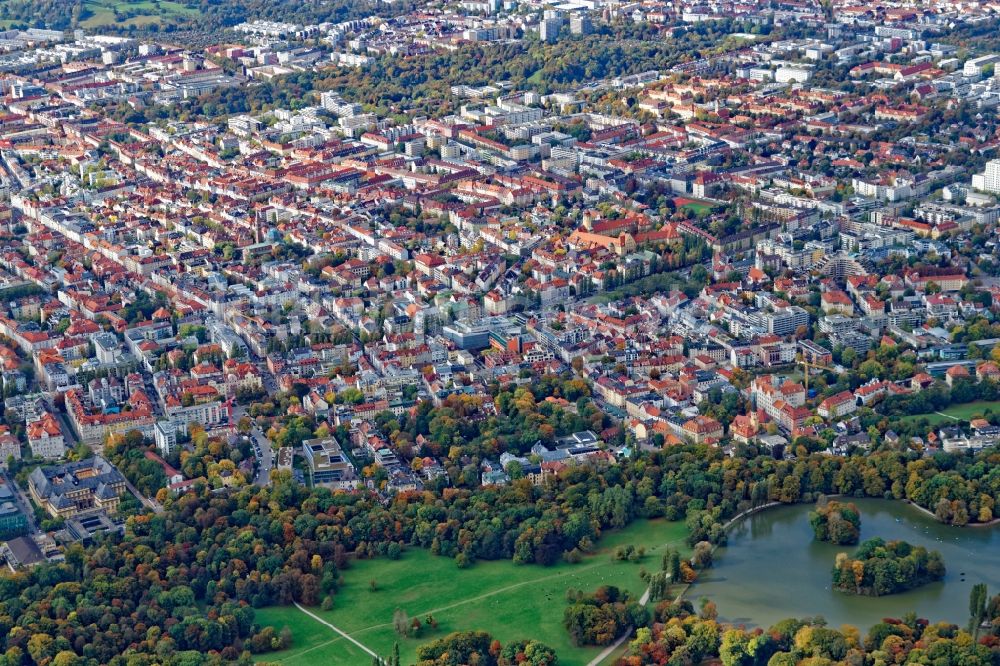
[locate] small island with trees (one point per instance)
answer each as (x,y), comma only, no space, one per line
(836,522)
(879,568)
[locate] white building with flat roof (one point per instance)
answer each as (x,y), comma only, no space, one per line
(989,180)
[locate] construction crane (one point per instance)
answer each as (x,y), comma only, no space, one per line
(809,365)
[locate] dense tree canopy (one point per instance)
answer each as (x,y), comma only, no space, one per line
(678,636)
(879,568)
(599,618)
(836,522)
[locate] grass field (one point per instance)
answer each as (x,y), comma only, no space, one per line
(510,601)
(102,12)
(698,206)
(312,643)
(957,413)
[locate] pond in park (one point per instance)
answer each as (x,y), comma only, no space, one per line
(773,569)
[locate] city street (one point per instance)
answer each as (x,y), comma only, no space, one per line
(265,457)
(263,449)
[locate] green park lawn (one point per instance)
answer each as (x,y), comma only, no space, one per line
(933,420)
(312,643)
(956,413)
(102,12)
(510,601)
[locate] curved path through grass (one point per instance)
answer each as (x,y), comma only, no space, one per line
(511,601)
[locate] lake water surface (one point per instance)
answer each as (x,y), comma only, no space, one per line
(773,569)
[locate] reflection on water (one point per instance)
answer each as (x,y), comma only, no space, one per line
(772,568)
